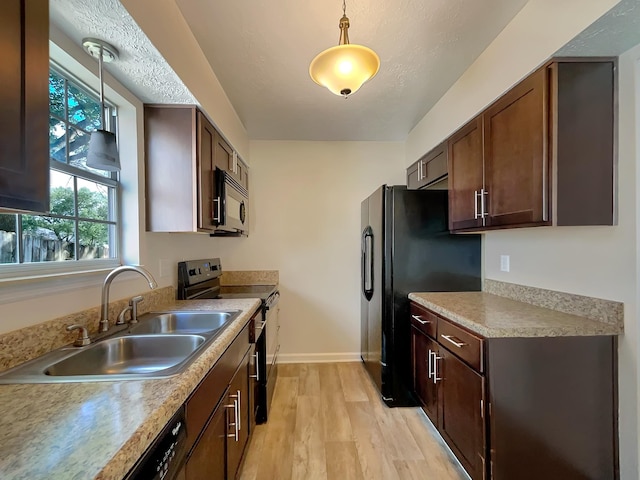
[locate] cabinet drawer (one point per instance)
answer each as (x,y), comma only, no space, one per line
(424,320)
(462,343)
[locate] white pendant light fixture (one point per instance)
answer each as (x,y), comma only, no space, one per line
(103,151)
(344,68)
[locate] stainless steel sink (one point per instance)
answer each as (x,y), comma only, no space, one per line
(136,354)
(160,345)
(194,322)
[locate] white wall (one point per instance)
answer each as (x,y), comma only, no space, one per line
(164,25)
(595,261)
(535,33)
(305,207)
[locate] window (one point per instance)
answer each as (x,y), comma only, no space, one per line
(82,223)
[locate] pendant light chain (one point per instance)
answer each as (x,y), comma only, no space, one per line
(344,7)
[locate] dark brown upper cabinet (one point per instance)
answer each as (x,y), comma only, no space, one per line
(542,154)
(24,117)
(465,175)
(431,168)
(182,151)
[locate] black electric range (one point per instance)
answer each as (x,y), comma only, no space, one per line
(200,280)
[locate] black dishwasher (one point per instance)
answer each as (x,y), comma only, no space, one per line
(166,455)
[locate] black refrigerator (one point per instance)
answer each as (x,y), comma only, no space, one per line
(406,247)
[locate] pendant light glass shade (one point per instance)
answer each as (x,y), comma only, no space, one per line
(344,68)
(103,150)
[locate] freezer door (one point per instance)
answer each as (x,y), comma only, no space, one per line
(375,353)
(364,301)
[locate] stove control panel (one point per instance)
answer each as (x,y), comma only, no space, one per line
(196,271)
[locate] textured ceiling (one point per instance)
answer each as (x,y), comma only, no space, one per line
(140,67)
(612,34)
(261,51)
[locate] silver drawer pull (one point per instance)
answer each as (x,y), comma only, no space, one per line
(457,343)
(417,318)
(435,377)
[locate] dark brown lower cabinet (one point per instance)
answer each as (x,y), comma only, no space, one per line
(207,458)
(425,388)
(238,409)
(218,415)
(519,408)
(461,412)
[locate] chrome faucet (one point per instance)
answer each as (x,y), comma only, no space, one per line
(104,306)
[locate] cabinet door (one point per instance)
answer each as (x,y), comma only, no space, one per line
(242,173)
(412,176)
(433,166)
(424,386)
(206,170)
(24,144)
(465,176)
(238,435)
(224,155)
(461,415)
(207,460)
(516,154)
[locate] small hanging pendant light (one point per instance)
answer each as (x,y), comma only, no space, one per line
(103,151)
(344,68)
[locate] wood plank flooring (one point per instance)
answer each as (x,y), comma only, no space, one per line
(327,422)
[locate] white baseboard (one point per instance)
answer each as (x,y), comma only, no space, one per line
(318,357)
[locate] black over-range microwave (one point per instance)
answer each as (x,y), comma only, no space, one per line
(231,206)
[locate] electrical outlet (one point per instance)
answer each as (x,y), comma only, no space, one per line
(165,267)
(504,263)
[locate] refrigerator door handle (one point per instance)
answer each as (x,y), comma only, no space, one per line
(367,263)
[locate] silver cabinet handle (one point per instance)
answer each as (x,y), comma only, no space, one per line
(216,216)
(475,204)
(417,318)
(484,211)
(239,411)
(420,177)
(236,423)
(436,378)
(257,375)
(457,342)
(430,363)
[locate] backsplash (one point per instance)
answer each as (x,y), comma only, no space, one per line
(30,342)
(600,310)
(250,277)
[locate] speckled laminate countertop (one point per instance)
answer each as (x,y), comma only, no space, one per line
(98,430)
(494,316)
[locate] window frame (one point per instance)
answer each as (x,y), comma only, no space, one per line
(20,271)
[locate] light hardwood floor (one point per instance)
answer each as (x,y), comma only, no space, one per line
(327,422)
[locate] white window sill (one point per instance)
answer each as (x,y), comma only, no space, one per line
(23,282)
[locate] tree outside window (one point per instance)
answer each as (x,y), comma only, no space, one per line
(81,223)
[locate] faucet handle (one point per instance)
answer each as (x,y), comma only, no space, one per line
(83,336)
(133,303)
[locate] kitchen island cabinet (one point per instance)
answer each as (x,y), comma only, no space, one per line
(520,391)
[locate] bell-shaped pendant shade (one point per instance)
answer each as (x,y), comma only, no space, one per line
(344,68)
(103,151)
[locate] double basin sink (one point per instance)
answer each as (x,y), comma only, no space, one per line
(161,344)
